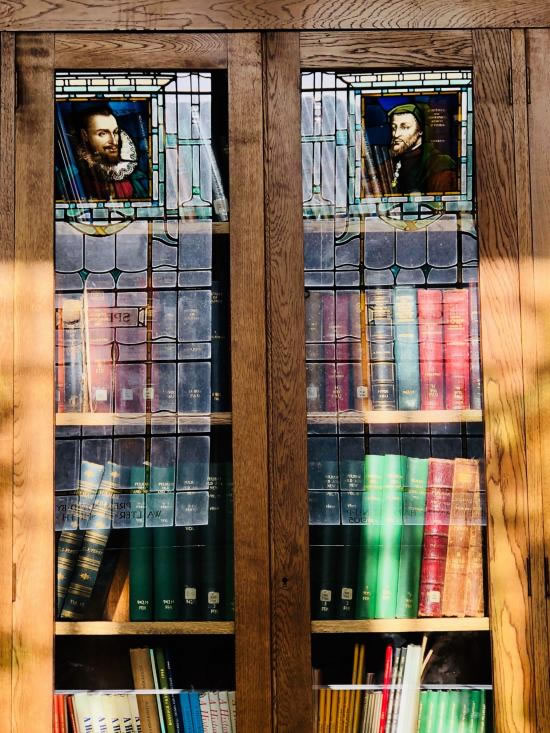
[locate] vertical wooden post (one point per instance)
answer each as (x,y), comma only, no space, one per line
(501,340)
(291,623)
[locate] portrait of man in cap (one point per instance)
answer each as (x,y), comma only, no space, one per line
(99,159)
(418,166)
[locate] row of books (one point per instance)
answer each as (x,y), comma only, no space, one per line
(397,704)
(176,572)
(103,363)
(400,348)
(409,545)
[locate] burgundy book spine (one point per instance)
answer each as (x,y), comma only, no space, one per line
(456,318)
(430,336)
(436,534)
(330,391)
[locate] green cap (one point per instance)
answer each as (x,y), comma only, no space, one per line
(411,109)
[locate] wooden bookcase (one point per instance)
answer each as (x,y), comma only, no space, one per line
(272,631)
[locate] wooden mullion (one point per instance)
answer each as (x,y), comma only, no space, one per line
(501,339)
(33,520)
(140,51)
(7,223)
(287,389)
(249,393)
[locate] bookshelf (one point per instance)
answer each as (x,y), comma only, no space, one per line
(115,628)
(400,626)
(89,419)
(389,417)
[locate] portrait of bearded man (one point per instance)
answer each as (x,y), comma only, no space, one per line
(104,159)
(418,166)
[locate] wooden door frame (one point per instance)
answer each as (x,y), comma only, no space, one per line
(37,58)
(489,54)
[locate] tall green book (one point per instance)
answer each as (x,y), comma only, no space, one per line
(141,552)
(472,725)
(162,677)
(70,541)
(407,369)
(464,711)
(165,572)
(453,711)
(190,551)
(229,606)
(441,713)
(391,518)
(324,536)
(482,726)
(370,537)
(410,558)
(96,535)
(429,712)
(350,534)
(213,560)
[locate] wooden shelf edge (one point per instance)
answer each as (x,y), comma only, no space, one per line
(400,625)
(112,628)
(396,416)
(112,418)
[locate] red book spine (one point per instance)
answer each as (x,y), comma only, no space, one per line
(457,349)
(71,713)
(329,391)
(60,362)
(386,692)
(436,534)
(430,336)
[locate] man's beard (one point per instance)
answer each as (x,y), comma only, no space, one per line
(108,170)
(399,147)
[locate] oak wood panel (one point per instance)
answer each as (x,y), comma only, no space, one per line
(7,160)
(287,387)
(533,426)
(249,393)
(513,676)
(33,527)
(385,50)
(114,628)
(400,625)
(140,50)
(198,15)
(538,44)
(131,418)
(392,417)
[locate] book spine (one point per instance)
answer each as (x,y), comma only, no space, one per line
(406,348)
(130,388)
(398,692)
(190,552)
(233,709)
(194,702)
(142,675)
(166,606)
(391,521)
(99,362)
(220,374)
(185,705)
(386,691)
(414,504)
(60,361)
(214,549)
(93,546)
(324,540)
(370,537)
(430,352)
(206,716)
(474,601)
(475,356)
(381,348)
(464,483)
(474,712)
(70,541)
(162,677)
(73,330)
(482,726)
(457,349)
(395,668)
(141,556)
(436,532)
(177,712)
(229,606)
(225,715)
(350,533)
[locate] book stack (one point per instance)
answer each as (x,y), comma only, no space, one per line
(401,348)
(392,700)
(408,545)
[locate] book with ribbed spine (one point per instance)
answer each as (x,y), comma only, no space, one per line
(430,349)
(380,336)
(475,356)
(370,537)
(74,368)
(141,554)
(213,559)
(391,522)
(465,480)
(407,368)
(456,349)
(98,529)
(165,572)
(436,533)
(474,601)
(70,541)
(410,559)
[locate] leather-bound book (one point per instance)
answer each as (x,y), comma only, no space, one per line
(430,336)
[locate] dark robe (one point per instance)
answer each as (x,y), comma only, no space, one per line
(425,170)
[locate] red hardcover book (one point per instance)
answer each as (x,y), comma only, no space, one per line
(456,318)
(71,714)
(60,362)
(386,691)
(130,383)
(430,337)
(436,534)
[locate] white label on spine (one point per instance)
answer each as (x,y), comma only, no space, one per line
(213,598)
(101,395)
(326,596)
(190,594)
(347,594)
(127,394)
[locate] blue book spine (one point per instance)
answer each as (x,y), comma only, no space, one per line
(405,321)
(196,712)
(185,705)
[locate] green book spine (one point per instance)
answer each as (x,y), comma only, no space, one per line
(141,555)
(406,348)
(165,571)
(95,538)
(162,676)
(324,539)
(428,718)
(391,518)
(473,714)
(70,541)
(410,558)
(229,611)
(350,533)
(422,711)
(213,567)
(370,538)
(441,715)
(190,551)
(453,711)
(482,712)
(464,711)
(220,373)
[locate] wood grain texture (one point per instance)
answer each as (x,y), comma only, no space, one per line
(385,50)
(197,15)
(513,672)
(123,628)
(249,393)
(140,50)
(287,392)
(538,45)
(33,526)
(7,162)
(392,417)
(400,625)
(534,427)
